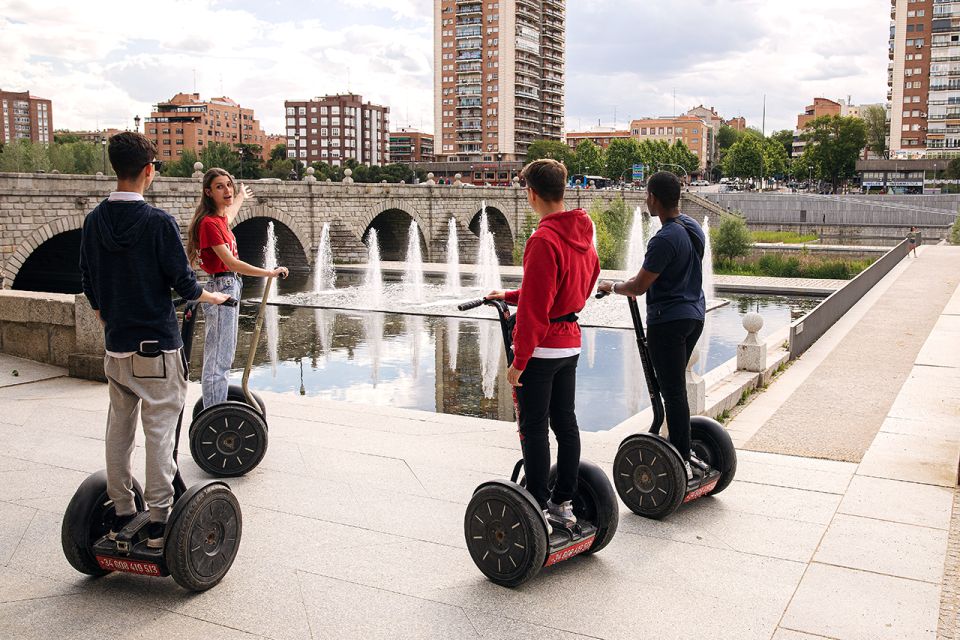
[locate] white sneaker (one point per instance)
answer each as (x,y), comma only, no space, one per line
(563,512)
(546,515)
(686,465)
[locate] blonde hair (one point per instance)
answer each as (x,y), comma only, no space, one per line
(205,207)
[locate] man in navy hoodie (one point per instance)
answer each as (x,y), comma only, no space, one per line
(560,267)
(131,256)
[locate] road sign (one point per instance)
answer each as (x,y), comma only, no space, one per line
(638,170)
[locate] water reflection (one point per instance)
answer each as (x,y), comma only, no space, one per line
(452,365)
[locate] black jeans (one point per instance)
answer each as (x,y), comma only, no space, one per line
(671,345)
(547,398)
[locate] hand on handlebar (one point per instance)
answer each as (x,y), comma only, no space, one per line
(495,295)
(280,272)
(605,286)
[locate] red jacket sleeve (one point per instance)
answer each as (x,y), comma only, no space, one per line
(535,299)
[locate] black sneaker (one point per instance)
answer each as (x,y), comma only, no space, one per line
(119,522)
(155,531)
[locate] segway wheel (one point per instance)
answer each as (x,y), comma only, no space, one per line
(202,542)
(228,440)
(711,443)
(505,535)
(235,394)
(594,502)
(87,519)
(649,476)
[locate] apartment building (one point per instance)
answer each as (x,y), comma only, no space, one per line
(498,77)
(600,136)
(25,117)
(187,122)
(694,132)
(337,128)
(409,145)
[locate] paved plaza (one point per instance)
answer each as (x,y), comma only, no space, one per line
(353,522)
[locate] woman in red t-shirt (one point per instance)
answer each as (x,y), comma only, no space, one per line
(212,247)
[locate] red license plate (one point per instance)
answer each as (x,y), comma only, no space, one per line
(702,491)
(569,552)
(130,566)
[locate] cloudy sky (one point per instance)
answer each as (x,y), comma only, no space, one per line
(104,61)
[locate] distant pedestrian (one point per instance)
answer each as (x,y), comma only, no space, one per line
(912,238)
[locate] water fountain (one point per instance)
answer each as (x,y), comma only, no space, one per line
(488,266)
(324,274)
(709,293)
(324,321)
(453,342)
(415,330)
(271,316)
(636,244)
(373,279)
(413,274)
(453,260)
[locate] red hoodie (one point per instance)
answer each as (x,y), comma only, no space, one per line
(560,269)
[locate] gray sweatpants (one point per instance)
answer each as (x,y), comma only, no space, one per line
(154,389)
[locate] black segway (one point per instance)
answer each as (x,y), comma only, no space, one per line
(201,538)
(649,472)
(505,530)
(230,439)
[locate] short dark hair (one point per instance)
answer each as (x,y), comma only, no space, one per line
(129,153)
(548,178)
(665,187)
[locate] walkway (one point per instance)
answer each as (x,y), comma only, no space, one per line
(353,527)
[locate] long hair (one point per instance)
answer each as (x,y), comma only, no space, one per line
(205,207)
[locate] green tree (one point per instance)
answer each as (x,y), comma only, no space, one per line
(953,170)
(681,155)
(219,154)
(727,136)
(875,119)
(776,162)
(732,239)
(526,230)
(834,143)
(621,155)
(654,154)
(182,167)
(612,223)
(279,169)
(552,149)
(588,159)
(64,137)
(955,231)
(252,161)
(744,159)
(785,138)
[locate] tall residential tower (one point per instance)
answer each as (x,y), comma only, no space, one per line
(498,77)
(918,74)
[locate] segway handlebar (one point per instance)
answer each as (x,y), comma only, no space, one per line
(230,302)
(473,304)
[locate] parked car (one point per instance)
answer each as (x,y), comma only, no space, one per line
(701,183)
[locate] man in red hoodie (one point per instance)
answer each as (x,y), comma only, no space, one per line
(560,268)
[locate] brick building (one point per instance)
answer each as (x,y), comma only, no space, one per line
(186,122)
(337,128)
(410,145)
(600,136)
(25,117)
(693,131)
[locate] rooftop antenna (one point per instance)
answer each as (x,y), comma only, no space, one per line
(763,129)
(194,80)
(674,102)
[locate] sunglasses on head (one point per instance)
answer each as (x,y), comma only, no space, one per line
(157,165)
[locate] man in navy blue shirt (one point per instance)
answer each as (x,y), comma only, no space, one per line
(131,256)
(672,278)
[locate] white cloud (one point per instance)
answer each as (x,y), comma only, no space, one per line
(104,61)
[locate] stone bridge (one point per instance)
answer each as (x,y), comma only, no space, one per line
(41,216)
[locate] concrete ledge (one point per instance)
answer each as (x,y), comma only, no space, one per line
(33,306)
(87,367)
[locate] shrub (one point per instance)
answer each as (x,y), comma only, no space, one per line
(612,224)
(732,239)
(526,230)
(803,266)
(955,231)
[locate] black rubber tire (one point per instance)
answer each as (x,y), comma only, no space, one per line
(711,443)
(649,476)
(235,394)
(501,525)
(595,501)
(87,519)
(228,440)
(202,542)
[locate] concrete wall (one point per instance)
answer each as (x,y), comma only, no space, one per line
(791,208)
(36,207)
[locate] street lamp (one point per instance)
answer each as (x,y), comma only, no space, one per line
(471,175)
(103,153)
(136,123)
(240,153)
(686,176)
(499,160)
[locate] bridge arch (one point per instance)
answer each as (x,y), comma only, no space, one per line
(50,253)
(391,219)
(293,244)
(499,225)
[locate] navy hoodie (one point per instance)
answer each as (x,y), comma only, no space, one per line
(131,255)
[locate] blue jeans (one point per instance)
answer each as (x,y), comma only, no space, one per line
(220,340)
